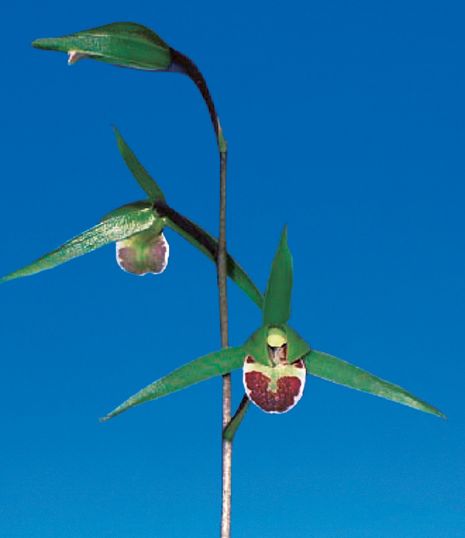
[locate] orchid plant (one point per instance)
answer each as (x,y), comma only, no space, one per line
(275,360)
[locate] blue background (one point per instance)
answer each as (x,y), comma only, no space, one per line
(345,121)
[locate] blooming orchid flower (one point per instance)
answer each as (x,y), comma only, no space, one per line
(137,230)
(275,360)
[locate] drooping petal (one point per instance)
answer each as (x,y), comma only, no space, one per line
(212,365)
(143,253)
(275,389)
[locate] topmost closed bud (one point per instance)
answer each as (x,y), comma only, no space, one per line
(125,44)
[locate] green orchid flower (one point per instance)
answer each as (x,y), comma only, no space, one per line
(275,361)
(137,230)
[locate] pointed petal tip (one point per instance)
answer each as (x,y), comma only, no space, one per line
(40,43)
(48,43)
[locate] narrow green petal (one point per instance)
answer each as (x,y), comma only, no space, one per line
(212,365)
(277,304)
(208,245)
(343,373)
(141,175)
(123,224)
(124,44)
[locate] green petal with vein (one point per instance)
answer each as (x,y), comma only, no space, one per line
(212,365)
(141,175)
(277,304)
(125,44)
(343,373)
(125,223)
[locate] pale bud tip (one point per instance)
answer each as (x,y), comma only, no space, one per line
(74,56)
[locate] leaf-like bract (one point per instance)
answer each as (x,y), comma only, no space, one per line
(230,431)
(124,44)
(341,372)
(212,365)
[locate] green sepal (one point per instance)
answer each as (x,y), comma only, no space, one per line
(141,175)
(277,303)
(121,224)
(212,365)
(297,347)
(208,245)
(338,371)
(124,44)
(257,346)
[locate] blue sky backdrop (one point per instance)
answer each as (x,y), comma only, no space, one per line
(346,121)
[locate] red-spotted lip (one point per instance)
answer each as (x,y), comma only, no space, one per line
(275,389)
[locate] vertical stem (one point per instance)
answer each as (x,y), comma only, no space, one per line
(183,64)
(222,273)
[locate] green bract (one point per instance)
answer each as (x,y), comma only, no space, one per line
(274,360)
(125,44)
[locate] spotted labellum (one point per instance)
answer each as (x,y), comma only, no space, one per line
(276,388)
(275,360)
